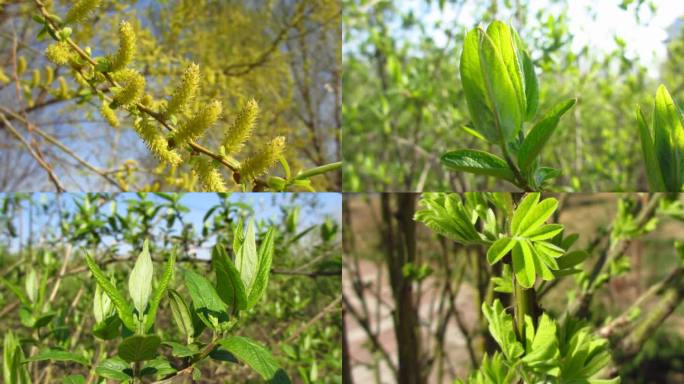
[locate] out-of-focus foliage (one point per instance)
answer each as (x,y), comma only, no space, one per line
(404,104)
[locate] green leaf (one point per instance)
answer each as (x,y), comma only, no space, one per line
(181,314)
(13,371)
(669,140)
(157,367)
(181,350)
(139,348)
(540,134)
(246,258)
(474,87)
(161,290)
(499,249)
(523,264)
(257,357)
(140,280)
(115,369)
(208,305)
(531,82)
(478,162)
(17,291)
(528,202)
(265,255)
(74,379)
(501,328)
(499,86)
(536,217)
(541,345)
(123,308)
(228,282)
(653,172)
(571,259)
(58,355)
(108,329)
(545,232)
(503,39)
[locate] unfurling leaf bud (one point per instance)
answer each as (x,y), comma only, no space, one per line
(242,127)
(109,115)
(81,10)
(58,53)
(185,91)
(195,127)
(126,48)
(155,141)
(102,304)
(264,159)
(132,89)
(209,176)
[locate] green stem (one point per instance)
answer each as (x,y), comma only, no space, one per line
(319,170)
(525,303)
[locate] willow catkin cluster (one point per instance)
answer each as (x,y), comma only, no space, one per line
(109,115)
(195,127)
(59,53)
(236,135)
(262,160)
(132,87)
(81,10)
(208,175)
(155,141)
(184,92)
(126,51)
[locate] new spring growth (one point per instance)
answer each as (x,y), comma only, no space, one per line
(109,115)
(262,160)
(58,53)
(132,87)
(195,127)
(242,127)
(126,48)
(184,92)
(155,141)
(208,175)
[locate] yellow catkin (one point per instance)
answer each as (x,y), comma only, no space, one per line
(126,51)
(21,65)
(195,127)
(109,115)
(63,88)
(49,75)
(58,53)
(242,127)
(81,10)
(262,160)
(4,79)
(155,141)
(185,91)
(132,87)
(35,78)
(208,175)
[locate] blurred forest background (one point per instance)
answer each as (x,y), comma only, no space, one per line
(632,241)
(404,104)
(285,54)
(43,236)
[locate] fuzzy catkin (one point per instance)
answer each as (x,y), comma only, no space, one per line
(208,175)
(63,88)
(49,75)
(109,115)
(195,127)
(126,50)
(81,10)
(155,141)
(242,127)
(185,91)
(132,87)
(58,53)
(262,160)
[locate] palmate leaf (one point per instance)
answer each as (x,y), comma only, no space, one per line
(492,370)
(583,355)
(447,215)
(501,328)
(541,345)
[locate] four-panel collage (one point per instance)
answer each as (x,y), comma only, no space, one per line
(342,191)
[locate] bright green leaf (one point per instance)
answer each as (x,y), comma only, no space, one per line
(139,348)
(478,162)
(140,280)
(257,357)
